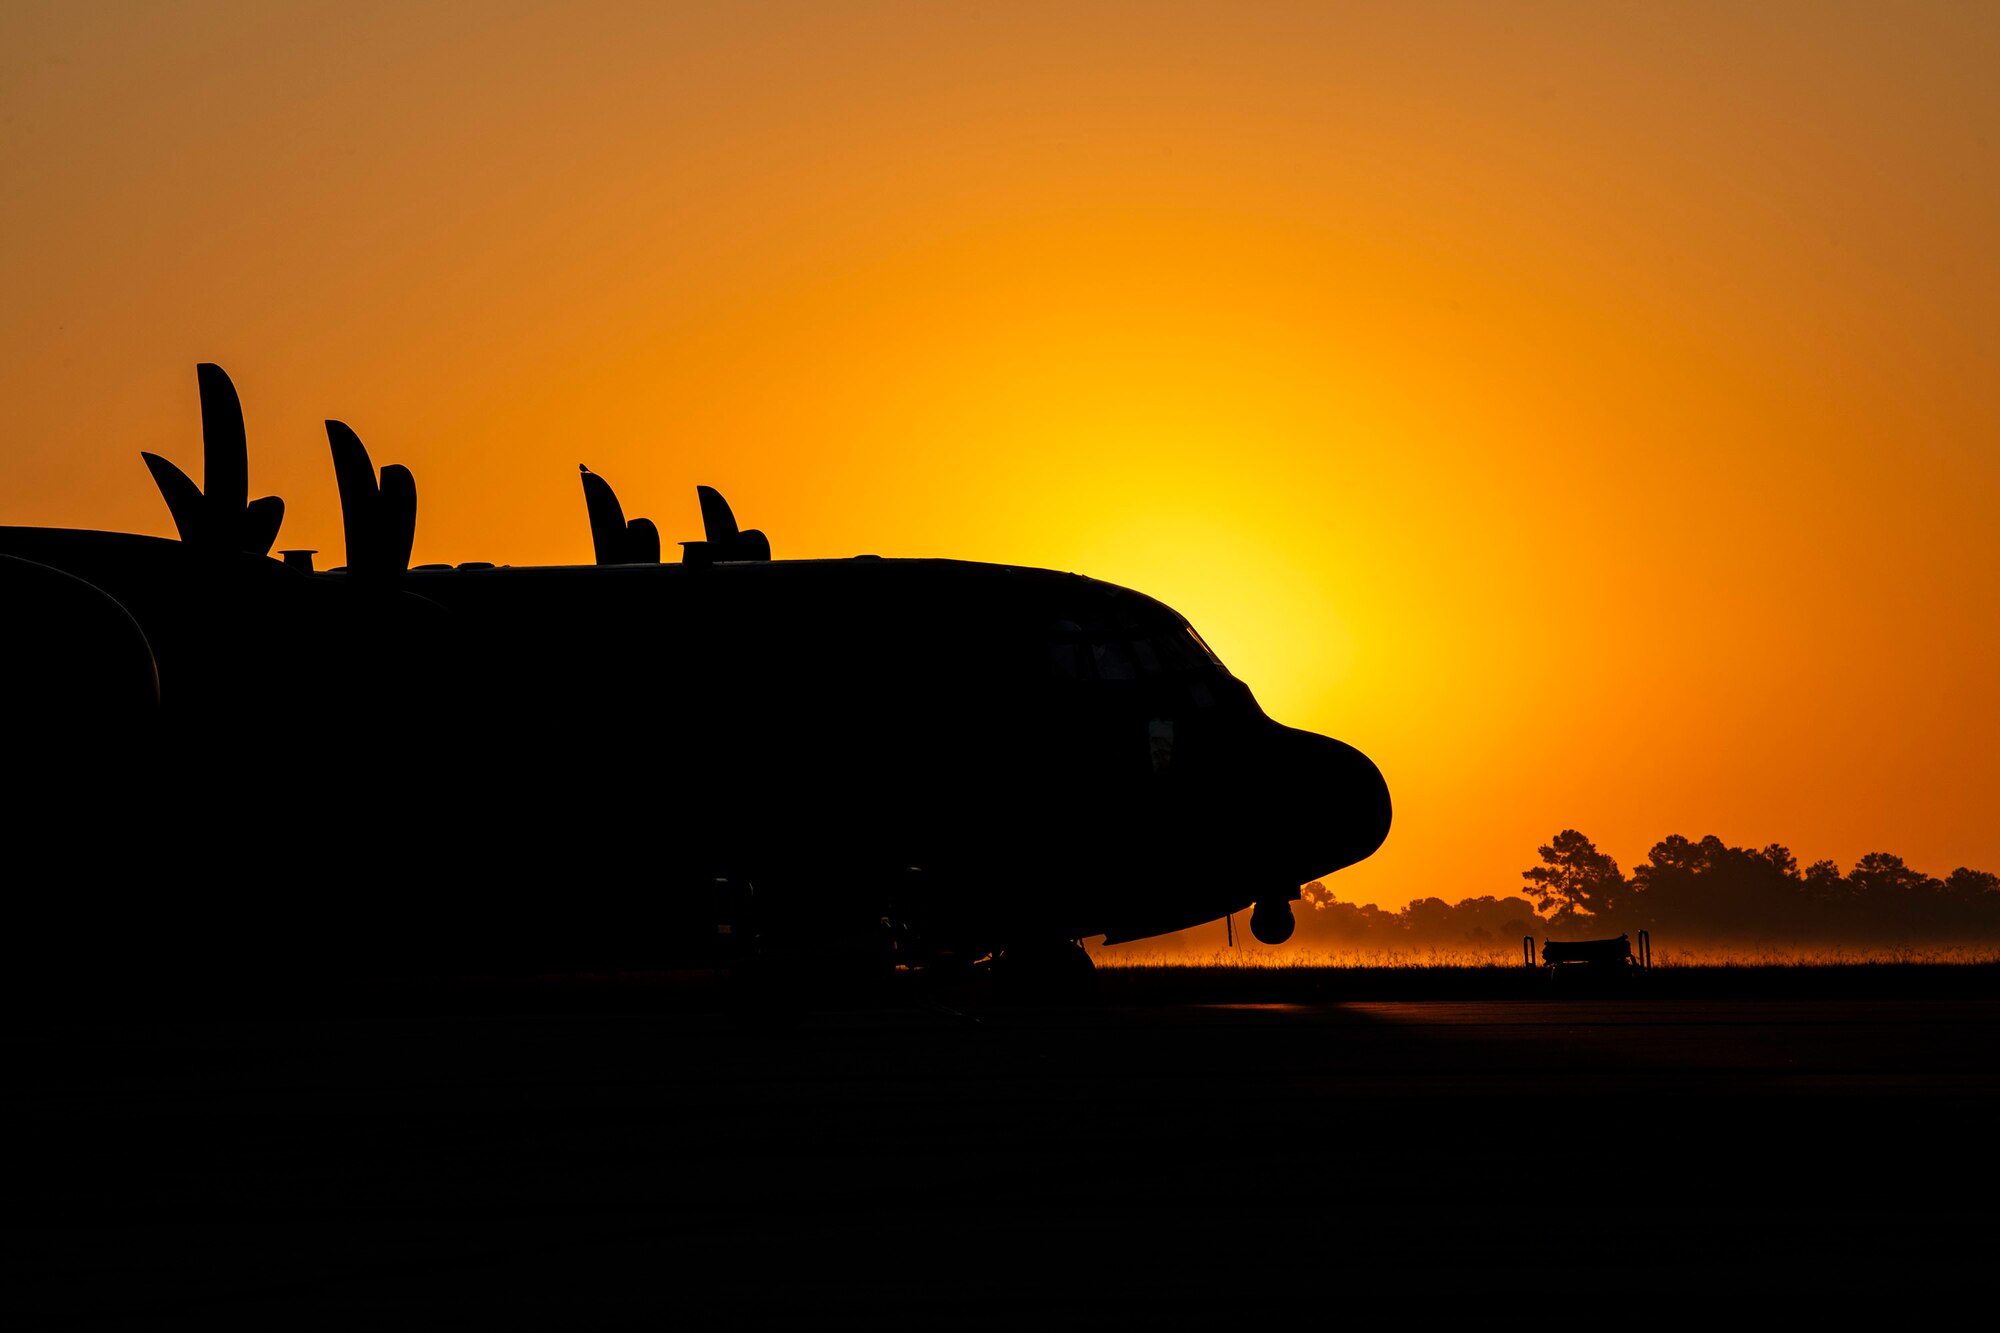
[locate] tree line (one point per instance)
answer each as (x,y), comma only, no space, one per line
(1694,893)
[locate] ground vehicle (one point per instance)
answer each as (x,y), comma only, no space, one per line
(605,765)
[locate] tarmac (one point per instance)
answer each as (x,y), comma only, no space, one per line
(1000,1165)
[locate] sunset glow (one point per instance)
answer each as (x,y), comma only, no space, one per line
(1589,413)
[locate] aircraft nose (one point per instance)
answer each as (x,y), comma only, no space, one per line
(1341,801)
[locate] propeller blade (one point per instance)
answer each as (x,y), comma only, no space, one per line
(607,517)
(218,518)
(397,518)
(183,497)
(723,541)
(359,497)
(718,524)
(642,542)
(226,454)
(258,525)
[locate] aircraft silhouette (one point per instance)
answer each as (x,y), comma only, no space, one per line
(226,759)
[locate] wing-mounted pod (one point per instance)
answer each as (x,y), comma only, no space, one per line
(616,541)
(219,518)
(723,540)
(380,520)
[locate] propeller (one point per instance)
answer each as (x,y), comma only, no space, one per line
(616,541)
(219,519)
(380,520)
(724,541)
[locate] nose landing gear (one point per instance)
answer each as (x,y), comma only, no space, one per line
(1045,972)
(1272,922)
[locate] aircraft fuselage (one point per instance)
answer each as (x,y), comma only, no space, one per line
(592,765)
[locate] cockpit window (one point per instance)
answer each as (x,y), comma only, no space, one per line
(1114,661)
(1178,651)
(1076,653)
(1207,651)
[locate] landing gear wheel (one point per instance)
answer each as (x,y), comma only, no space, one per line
(1272,923)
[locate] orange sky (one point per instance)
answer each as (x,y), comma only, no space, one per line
(1586,410)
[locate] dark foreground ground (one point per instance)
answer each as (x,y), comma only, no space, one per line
(548,1160)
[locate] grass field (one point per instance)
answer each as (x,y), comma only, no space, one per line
(1307,977)
(1182,984)
(1511,957)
